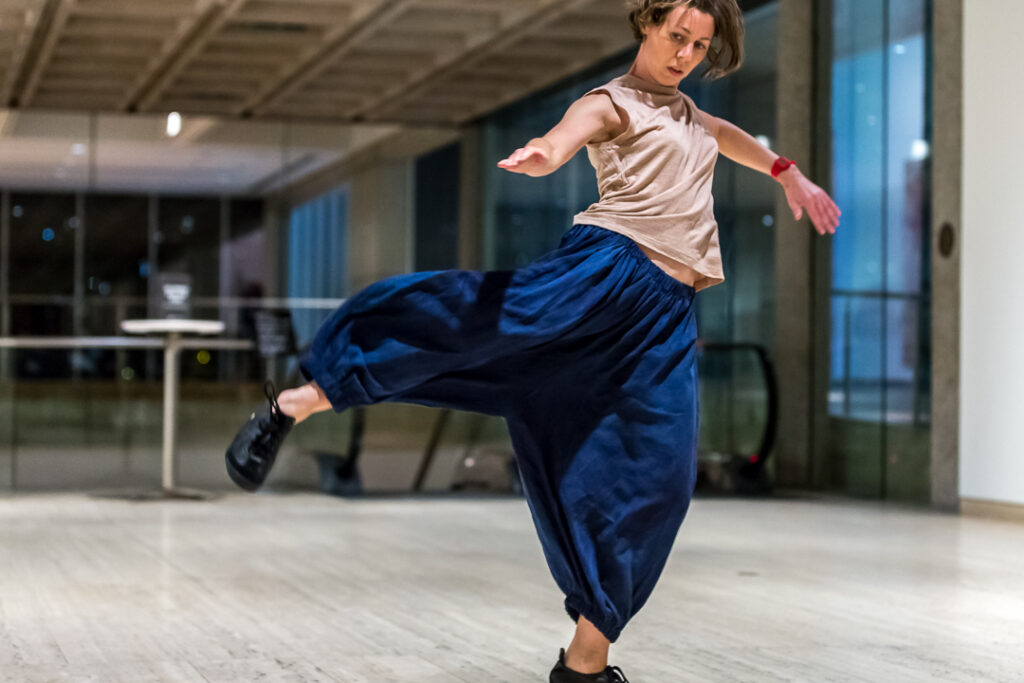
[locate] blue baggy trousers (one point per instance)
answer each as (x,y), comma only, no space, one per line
(589,353)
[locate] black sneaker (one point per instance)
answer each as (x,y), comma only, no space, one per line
(252,453)
(563,674)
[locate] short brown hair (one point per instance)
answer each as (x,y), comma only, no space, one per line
(725,55)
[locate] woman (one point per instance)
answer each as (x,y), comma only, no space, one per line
(589,352)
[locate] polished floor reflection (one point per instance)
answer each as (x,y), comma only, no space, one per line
(308,588)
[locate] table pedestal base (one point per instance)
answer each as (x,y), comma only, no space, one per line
(148,495)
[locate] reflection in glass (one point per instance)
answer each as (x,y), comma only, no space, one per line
(243,258)
(188,241)
(98,204)
(43,228)
(116,245)
(437,210)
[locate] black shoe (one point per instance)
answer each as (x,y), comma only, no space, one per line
(252,453)
(563,674)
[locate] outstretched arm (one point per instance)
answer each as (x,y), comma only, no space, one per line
(801,193)
(592,117)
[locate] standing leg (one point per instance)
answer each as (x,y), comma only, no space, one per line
(588,652)
(607,450)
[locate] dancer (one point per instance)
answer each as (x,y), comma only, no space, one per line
(589,352)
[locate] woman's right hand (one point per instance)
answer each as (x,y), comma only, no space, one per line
(591,116)
(532,160)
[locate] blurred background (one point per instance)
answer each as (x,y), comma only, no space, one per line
(281,155)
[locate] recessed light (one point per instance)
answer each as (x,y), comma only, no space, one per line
(173,124)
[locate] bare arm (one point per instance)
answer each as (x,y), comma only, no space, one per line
(801,193)
(592,117)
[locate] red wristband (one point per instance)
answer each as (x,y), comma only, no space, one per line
(780,165)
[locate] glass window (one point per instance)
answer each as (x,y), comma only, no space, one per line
(43,233)
(116,246)
(188,241)
(245,253)
(43,228)
(880,374)
(317,253)
(437,209)
(527,216)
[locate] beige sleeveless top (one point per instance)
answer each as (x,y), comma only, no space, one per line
(655,177)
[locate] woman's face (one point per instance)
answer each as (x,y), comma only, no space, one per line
(673,49)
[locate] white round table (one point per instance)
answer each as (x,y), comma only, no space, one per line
(172,326)
(173,331)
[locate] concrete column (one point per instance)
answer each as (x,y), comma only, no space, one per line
(380,227)
(794,282)
(275,252)
(947,160)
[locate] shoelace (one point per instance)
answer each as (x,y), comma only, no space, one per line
(268,437)
(619,676)
(271,393)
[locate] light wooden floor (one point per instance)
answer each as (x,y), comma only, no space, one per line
(306,588)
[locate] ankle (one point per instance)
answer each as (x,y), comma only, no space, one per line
(584,662)
(300,403)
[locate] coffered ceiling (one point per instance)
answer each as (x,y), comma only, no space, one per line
(426,62)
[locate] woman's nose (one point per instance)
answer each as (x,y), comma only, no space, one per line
(686,52)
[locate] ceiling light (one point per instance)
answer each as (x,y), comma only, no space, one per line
(173,124)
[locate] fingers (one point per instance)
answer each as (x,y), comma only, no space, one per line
(798,211)
(829,213)
(822,223)
(822,211)
(518,157)
(834,212)
(827,210)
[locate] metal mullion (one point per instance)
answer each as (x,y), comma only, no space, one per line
(5,329)
(924,296)
(847,361)
(153,227)
(886,101)
(5,266)
(78,313)
(224,276)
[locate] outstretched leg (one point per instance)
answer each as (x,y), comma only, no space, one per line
(435,338)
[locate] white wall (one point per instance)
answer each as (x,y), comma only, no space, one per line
(992,276)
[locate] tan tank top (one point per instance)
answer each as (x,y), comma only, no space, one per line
(655,177)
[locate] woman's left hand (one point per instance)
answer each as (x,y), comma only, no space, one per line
(802,194)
